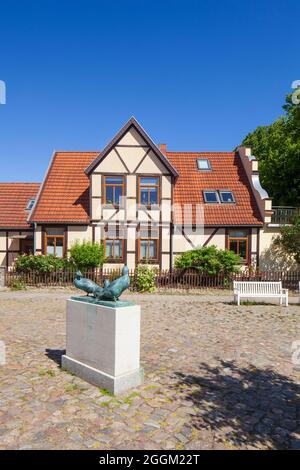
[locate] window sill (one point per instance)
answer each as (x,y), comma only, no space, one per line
(112,206)
(148,261)
(114,261)
(149,208)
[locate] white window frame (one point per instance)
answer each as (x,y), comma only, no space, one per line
(208,164)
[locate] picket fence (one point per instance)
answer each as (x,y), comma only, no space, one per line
(164,279)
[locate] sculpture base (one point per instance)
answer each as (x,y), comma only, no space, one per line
(107,303)
(96,377)
(103,344)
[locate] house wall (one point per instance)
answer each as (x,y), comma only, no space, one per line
(131,157)
(267,235)
(79,233)
(10,248)
(3,248)
(211,236)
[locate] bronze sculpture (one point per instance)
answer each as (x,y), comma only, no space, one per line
(109,291)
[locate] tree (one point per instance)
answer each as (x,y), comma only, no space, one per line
(87,255)
(289,239)
(277,147)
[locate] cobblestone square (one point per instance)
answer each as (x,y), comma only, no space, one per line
(217,376)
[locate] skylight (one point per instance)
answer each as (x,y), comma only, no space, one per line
(203,164)
(211,196)
(30,204)
(226,196)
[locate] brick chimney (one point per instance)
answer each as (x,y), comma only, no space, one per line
(163,148)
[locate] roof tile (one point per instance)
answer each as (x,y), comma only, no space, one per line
(14,198)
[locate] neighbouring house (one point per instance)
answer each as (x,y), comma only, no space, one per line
(146,203)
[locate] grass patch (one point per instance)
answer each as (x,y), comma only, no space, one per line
(105,404)
(74,388)
(66,371)
(17,284)
(128,400)
(151,387)
(49,372)
(104,391)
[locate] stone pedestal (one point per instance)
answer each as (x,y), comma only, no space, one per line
(103,345)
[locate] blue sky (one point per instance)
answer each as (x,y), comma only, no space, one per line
(198,75)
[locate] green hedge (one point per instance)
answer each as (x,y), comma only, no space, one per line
(210,260)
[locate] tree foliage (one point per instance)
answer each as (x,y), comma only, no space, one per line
(277,147)
(289,239)
(85,255)
(210,260)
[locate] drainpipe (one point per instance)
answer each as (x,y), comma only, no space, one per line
(34,238)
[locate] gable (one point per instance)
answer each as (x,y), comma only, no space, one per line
(130,148)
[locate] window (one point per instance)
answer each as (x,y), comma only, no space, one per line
(211,196)
(114,244)
(203,164)
(30,204)
(226,196)
(148,190)
(114,249)
(114,190)
(238,243)
(148,245)
(54,242)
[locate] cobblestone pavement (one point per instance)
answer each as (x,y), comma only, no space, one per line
(217,376)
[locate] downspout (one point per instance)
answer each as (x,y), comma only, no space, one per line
(34,237)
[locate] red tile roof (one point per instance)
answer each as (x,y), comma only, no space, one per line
(14,198)
(227,173)
(64,194)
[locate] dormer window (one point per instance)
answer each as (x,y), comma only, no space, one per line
(211,197)
(30,204)
(226,197)
(203,164)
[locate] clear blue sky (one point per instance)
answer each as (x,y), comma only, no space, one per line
(198,75)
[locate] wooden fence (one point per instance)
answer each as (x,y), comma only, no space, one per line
(175,279)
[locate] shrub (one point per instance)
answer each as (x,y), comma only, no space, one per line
(40,263)
(85,255)
(17,284)
(210,260)
(145,278)
(289,239)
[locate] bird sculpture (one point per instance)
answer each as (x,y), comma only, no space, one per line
(109,291)
(85,284)
(113,290)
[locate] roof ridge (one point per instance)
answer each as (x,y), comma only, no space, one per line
(77,151)
(206,152)
(19,182)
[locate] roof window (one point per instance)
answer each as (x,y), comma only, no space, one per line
(226,197)
(30,204)
(211,197)
(203,164)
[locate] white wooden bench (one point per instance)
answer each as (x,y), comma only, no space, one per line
(246,289)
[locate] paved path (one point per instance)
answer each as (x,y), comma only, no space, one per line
(217,376)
